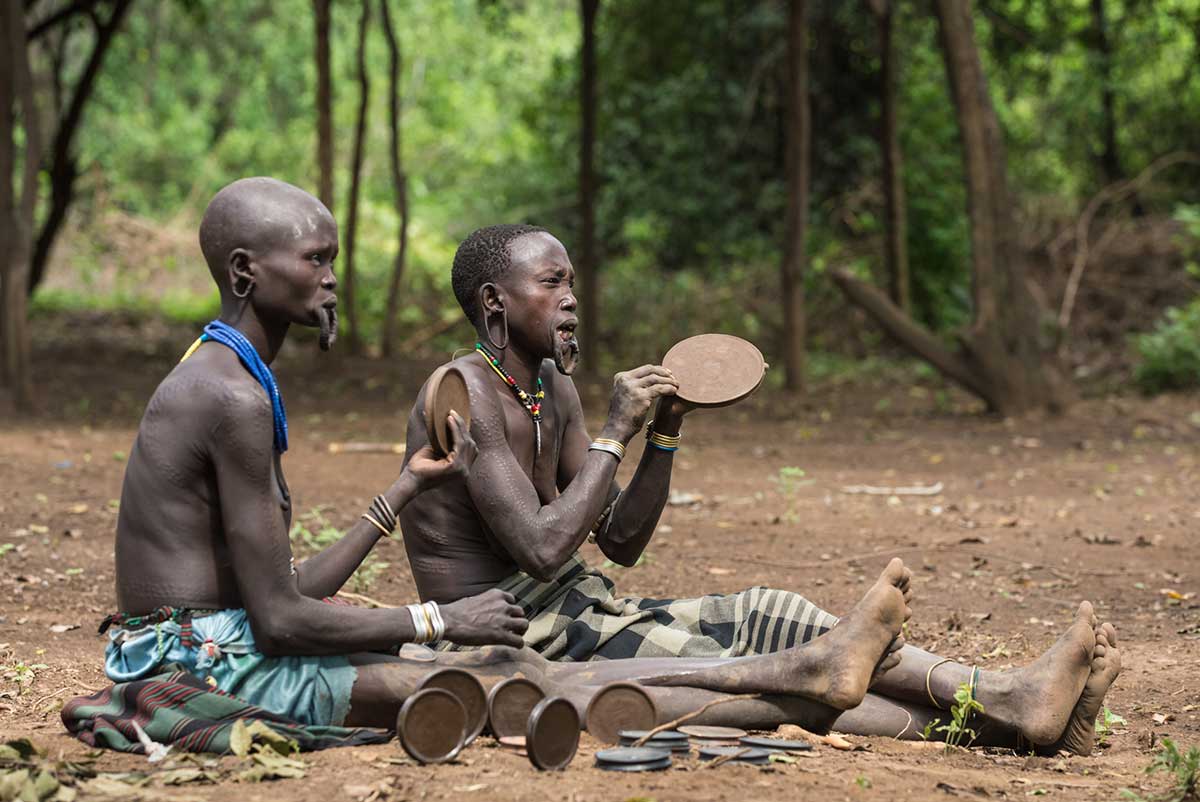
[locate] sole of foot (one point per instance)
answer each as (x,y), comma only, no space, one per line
(1043,694)
(1079,737)
(863,640)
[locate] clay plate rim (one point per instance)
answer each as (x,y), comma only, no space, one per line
(406,710)
(533,742)
(472,732)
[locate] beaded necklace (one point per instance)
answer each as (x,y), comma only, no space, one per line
(532,403)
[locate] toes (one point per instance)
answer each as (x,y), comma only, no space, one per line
(894,573)
(1099,650)
(1110,632)
(897,644)
(1086,613)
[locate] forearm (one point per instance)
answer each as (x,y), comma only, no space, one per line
(324,573)
(306,626)
(636,513)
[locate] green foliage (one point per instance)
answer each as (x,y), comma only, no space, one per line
(1170,354)
(1183,768)
(1105,722)
(327,534)
(789,480)
(956,729)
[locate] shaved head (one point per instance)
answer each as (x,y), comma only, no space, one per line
(257,215)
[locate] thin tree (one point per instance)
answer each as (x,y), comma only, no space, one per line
(16,210)
(1110,157)
(895,252)
(798,161)
(360,128)
(61,162)
(1005,356)
(324,104)
(399,180)
(588,267)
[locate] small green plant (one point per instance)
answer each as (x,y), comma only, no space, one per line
(1105,723)
(326,534)
(789,480)
(1183,766)
(956,729)
(1170,354)
(22,674)
(862,781)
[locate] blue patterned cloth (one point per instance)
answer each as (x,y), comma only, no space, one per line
(222,652)
(227,335)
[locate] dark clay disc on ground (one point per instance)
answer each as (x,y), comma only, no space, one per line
(510,703)
(750,755)
(775,744)
(620,706)
(635,759)
(469,691)
(446,390)
(715,370)
(431,725)
(712,733)
(552,733)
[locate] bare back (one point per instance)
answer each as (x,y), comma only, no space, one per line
(171,547)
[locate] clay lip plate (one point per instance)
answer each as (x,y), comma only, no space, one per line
(432,724)
(618,706)
(468,690)
(446,390)
(509,704)
(715,370)
(552,734)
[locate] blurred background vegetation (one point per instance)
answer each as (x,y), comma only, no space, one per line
(690,160)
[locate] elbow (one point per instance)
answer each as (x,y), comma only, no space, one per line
(540,568)
(274,636)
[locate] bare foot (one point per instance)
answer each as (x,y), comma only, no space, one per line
(1080,735)
(1039,698)
(866,641)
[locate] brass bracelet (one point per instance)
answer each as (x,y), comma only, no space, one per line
(383,529)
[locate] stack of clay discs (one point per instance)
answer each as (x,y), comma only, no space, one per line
(446,390)
(468,690)
(671,740)
(712,736)
(775,744)
(432,725)
(715,370)
(513,743)
(620,706)
(509,705)
(635,759)
(552,733)
(736,754)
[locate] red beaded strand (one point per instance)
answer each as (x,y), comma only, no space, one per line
(531,403)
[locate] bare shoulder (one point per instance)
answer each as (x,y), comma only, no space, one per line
(563,393)
(203,396)
(488,425)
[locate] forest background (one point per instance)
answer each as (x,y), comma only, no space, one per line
(705,171)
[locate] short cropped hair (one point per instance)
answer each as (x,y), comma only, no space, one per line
(483,257)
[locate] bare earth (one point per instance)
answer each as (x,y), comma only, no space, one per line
(1034,515)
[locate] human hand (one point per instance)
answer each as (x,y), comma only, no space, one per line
(429,471)
(633,392)
(670,412)
(491,617)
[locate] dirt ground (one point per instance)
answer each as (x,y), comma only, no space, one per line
(1033,516)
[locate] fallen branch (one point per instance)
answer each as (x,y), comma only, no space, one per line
(670,725)
(914,490)
(725,758)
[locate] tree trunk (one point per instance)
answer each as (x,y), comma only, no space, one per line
(799,146)
(62,167)
(399,181)
(1005,357)
(896,207)
(364,97)
(324,105)
(588,267)
(16,212)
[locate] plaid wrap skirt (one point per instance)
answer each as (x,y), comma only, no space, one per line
(576,616)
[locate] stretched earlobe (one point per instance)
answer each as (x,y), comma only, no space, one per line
(241,274)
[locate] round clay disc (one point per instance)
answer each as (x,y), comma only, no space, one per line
(715,370)
(510,703)
(712,733)
(469,691)
(431,725)
(552,734)
(620,706)
(446,390)
(417,652)
(750,755)
(653,765)
(625,756)
(776,744)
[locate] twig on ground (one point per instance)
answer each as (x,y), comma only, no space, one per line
(913,490)
(689,716)
(725,758)
(366,448)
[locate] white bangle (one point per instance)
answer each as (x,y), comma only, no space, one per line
(421,628)
(435,618)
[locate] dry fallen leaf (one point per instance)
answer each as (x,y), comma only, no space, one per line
(61,628)
(1163,718)
(720,571)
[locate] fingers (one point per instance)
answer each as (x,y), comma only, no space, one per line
(647,371)
(509,639)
